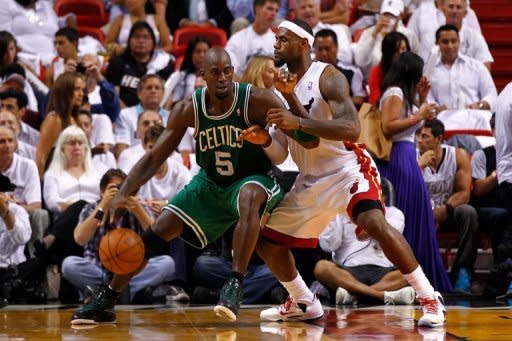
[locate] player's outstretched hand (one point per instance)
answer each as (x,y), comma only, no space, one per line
(255,134)
(283,119)
(285,81)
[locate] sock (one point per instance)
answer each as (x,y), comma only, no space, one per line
(238,276)
(420,283)
(112,293)
(298,289)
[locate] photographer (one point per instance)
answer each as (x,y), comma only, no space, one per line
(66,44)
(14,234)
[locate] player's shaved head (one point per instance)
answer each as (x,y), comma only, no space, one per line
(218,72)
(215,55)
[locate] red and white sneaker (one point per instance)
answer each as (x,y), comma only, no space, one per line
(293,310)
(434,312)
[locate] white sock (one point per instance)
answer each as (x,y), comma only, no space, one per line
(420,283)
(298,289)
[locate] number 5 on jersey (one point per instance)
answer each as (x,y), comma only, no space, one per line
(223,163)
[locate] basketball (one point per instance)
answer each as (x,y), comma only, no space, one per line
(121,251)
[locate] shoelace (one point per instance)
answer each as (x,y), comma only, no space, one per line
(429,304)
(287,305)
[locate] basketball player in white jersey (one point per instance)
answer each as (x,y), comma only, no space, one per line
(336,176)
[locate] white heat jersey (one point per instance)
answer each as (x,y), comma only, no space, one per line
(327,158)
(440,182)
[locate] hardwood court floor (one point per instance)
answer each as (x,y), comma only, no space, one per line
(200,323)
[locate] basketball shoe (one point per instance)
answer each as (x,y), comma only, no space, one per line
(402,296)
(434,312)
(229,300)
(100,309)
(343,297)
(293,310)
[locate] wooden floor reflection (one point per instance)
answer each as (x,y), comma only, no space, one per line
(200,323)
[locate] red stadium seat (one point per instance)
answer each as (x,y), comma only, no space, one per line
(182,36)
(88,12)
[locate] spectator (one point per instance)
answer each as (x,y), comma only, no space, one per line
(260,72)
(399,123)
(23,172)
(309,11)
(198,13)
(447,174)
(139,59)
(326,47)
(65,100)
(485,197)
(7,119)
(337,13)
(393,45)
(100,92)
(181,84)
(102,157)
(66,44)
(87,271)
(150,93)
(368,49)
(120,27)
(359,270)
(16,102)
(243,10)
(259,34)
(14,234)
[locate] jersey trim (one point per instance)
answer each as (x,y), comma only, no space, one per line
(246,104)
(227,113)
(196,115)
(190,222)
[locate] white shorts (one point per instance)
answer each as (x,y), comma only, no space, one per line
(312,203)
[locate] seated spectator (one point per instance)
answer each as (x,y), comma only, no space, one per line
(260,72)
(102,157)
(86,271)
(393,45)
(181,84)
(139,58)
(14,234)
(66,44)
(243,11)
(65,100)
(101,94)
(259,34)
(7,119)
(447,174)
(120,27)
(309,11)
(368,49)
(485,197)
(359,270)
(23,173)
(16,102)
(203,13)
(459,82)
(326,47)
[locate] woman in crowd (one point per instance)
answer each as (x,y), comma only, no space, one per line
(139,58)
(65,101)
(260,72)
(393,45)
(181,84)
(400,120)
(119,31)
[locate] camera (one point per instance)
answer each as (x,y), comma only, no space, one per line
(80,68)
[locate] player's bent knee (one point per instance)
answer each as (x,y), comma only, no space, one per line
(373,222)
(322,267)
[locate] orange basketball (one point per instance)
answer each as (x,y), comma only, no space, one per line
(121,251)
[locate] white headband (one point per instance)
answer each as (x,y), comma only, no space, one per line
(298,31)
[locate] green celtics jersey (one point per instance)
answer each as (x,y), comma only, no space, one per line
(218,153)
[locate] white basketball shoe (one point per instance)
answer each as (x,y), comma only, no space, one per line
(293,310)
(434,312)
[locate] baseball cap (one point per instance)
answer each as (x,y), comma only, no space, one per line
(393,7)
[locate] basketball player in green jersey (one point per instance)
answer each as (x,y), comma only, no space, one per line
(234,185)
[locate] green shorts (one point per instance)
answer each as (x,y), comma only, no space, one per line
(210,210)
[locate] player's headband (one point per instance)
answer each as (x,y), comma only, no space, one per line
(298,31)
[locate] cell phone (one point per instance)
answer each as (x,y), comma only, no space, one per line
(80,68)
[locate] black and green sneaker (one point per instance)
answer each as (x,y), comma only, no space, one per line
(229,300)
(100,309)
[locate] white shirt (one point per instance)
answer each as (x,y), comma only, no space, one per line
(504,135)
(467,81)
(131,155)
(125,131)
(127,24)
(441,181)
(344,40)
(408,134)
(23,173)
(478,165)
(103,162)
(245,44)
(180,85)
(26,150)
(62,188)
(102,131)
(12,243)
(28,134)
(339,238)
(368,51)
(174,180)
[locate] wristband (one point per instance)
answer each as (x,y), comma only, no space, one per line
(300,123)
(99,214)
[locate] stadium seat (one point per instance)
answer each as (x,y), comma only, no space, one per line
(88,12)
(182,36)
